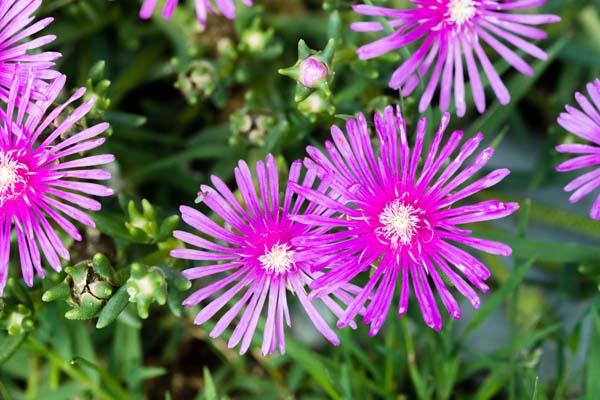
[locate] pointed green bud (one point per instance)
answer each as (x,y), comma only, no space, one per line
(19,321)
(142,226)
(86,288)
(314,74)
(226,48)
(145,286)
(203,78)
(251,125)
(255,40)
(312,69)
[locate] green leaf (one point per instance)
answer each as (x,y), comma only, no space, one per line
(113,308)
(69,390)
(592,381)
(210,391)
(108,380)
(493,383)
(544,250)
(493,302)
(141,374)
(9,346)
(112,225)
(123,120)
(313,365)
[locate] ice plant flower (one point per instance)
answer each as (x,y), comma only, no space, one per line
(16,17)
(396,219)
(584,123)
(253,258)
(225,7)
(43,180)
(450,36)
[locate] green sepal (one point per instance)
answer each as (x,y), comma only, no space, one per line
(88,308)
(113,308)
(61,291)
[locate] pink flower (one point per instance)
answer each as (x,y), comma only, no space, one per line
(42,178)
(395,219)
(584,123)
(313,72)
(225,7)
(16,17)
(254,257)
(450,31)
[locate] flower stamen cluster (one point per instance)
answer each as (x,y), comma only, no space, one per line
(399,223)
(278,259)
(13,176)
(461,11)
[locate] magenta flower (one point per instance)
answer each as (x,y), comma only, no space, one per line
(394,219)
(257,261)
(448,32)
(42,178)
(225,7)
(16,17)
(586,125)
(313,72)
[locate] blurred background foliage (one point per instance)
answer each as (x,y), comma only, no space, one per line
(185,104)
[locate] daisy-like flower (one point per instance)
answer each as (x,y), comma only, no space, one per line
(397,219)
(253,258)
(451,34)
(43,181)
(203,7)
(584,123)
(16,17)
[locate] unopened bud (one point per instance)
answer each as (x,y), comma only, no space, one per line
(313,72)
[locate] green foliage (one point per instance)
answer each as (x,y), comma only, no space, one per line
(184,105)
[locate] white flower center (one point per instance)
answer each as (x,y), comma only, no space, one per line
(12,173)
(399,223)
(278,259)
(461,11)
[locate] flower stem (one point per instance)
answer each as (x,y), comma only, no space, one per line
(68,369)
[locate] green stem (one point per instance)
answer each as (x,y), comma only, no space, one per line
(411,360)
(68,369)
(33,378)
(108,380)
(54,376)
(389,360)
(3,391)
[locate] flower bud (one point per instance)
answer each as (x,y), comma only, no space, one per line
(86,288)
(19,320)
(145,286)
(313,72)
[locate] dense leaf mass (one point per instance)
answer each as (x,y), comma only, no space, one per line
(181,100)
